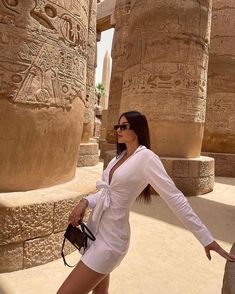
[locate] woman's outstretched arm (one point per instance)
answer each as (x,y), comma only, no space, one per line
(155,174)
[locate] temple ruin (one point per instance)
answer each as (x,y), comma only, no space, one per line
(173,61)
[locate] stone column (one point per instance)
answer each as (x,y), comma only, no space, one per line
(88,127)
(42,91)
(229,276)
(121,16)
(166,76)
(103,124)
(88,154)
(219,134)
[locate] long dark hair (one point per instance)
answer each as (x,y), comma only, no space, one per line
(139,125)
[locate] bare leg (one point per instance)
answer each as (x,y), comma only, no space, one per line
(81,280)
(102,287)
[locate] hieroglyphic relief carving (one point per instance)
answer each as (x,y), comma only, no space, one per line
(178,84)
(72,6)
(43,52)
(166,71)
(224,122)
(172,38)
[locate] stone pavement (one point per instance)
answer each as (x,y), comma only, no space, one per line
(164,258)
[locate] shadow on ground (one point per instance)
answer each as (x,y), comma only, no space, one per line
(217,216)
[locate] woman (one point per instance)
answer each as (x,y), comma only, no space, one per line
(126,178)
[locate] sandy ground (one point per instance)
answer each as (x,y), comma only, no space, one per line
(164,258)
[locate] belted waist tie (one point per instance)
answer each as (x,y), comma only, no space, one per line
(102,204)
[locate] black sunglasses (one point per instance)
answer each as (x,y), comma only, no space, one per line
(122,127)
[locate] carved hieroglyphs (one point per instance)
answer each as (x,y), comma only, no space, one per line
(166,72)
(219,135)
(43,55)
(38,43)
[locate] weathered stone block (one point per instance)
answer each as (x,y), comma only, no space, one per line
(193,176)
(88,160)
(206,184)
(104,13)
(11,257)
(181,168)
(168,165)
(34,214)
(194,186)
(88,149)
(43,250)
(206,167)
(224,164)
(62,211)
(88,154)
(186,185)
(28,221)
(194,168)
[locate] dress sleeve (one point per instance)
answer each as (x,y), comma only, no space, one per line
(92,199)
(157,177)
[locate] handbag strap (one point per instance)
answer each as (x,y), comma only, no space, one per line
(87,233)
(62,254)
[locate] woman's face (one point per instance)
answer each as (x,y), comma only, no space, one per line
(127,135)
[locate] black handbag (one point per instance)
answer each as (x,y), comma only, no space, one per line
(78,237)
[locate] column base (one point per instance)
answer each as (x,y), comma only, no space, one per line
(33,222)
(193,176)
(88,154)
(224,163)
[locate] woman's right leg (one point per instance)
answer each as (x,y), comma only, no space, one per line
(81,280)
(102,287)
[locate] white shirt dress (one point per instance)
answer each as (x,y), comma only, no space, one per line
(109,220)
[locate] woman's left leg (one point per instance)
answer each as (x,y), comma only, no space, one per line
(81,280)
(102,287)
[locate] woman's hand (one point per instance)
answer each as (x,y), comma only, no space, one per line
(78,212)
(217,248)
